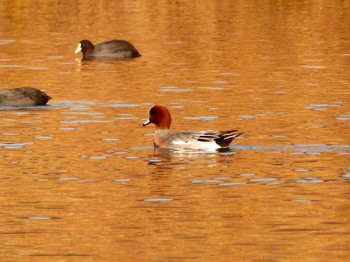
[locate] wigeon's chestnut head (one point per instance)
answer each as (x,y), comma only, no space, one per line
(160,116)
(194,140)
(110,50)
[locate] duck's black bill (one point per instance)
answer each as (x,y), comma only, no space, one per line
(146,123)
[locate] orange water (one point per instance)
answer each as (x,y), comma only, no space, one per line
(80,180)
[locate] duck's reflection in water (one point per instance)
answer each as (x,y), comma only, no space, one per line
(161,155)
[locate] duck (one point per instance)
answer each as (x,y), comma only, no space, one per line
(193,140)
(110,50)
(23,96)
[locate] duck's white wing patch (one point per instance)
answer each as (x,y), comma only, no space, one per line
(195,140)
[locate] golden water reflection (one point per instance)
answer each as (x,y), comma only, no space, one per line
(81,181)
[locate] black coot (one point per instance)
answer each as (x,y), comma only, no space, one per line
(23,96)
(114,49)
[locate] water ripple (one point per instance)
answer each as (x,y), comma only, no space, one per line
(309,180)
(158,199)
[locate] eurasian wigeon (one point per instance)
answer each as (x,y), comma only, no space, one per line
(195,140)
(114,49)
(23,96)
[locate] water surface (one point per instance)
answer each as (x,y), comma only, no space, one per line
(80,180)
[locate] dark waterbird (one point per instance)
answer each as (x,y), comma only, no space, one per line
(113,50)
(23,96)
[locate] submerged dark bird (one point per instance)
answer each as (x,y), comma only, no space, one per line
(23,96)
(114,49)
